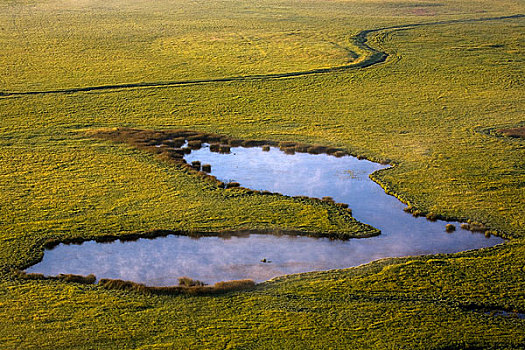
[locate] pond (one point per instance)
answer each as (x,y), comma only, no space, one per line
(161,261)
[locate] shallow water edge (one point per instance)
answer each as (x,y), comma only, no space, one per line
(293,169)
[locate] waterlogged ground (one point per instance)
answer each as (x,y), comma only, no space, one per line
(260,257)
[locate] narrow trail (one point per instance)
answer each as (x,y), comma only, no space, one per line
(360,40)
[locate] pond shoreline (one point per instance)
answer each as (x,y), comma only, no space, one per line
(187,149)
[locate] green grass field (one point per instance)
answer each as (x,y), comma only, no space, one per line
(427,109)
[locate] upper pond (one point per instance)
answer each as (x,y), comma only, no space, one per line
(162,260)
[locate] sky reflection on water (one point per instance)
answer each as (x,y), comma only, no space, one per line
(161,261)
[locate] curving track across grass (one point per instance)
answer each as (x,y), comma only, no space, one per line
(360,40)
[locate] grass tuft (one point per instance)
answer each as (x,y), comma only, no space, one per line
(450,228)
(188,282)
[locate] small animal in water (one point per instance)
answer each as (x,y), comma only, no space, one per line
(265,261)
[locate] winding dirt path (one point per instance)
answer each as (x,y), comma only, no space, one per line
(360,40)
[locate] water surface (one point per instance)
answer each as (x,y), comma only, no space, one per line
(162,260)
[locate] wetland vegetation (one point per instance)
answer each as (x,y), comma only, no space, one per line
(237,255)
(425,109)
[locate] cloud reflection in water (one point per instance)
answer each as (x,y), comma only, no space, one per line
(161,261)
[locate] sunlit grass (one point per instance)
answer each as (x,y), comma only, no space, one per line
(424,110)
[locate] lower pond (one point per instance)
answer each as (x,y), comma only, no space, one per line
(161,261)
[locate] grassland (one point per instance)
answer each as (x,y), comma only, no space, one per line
(424,109)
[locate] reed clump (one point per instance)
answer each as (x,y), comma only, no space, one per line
(189,282)
(432,217)
(285,144)
(194,144)
(206,168)
(316,149)
(168,143)
(30,276)
(194,287)
(235,142)
(196,138)
(331,150)
(301,148)
(288,150)
(168,156)
(224,149)
(232,184)
(211,138)
(256,143)
(89,279)
(474,226)
(178,142)
(196,165)
(477,226)
(450,228)
(518,132)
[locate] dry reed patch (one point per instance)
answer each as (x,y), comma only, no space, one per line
(518,132)
(186,286)
(89,279)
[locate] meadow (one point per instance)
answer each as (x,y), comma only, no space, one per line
(429,109)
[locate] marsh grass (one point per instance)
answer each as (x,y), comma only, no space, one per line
(188,282)
(420,109)
(186,286)
(450,228)
(432,217)
(89,279)
(316,149)
(178,142)
(287,144)
(301,148)
(517,132)
(196,165)
(477,226)
(416,213)
(224,149)
(234,142)
(232,184)
(195,144)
